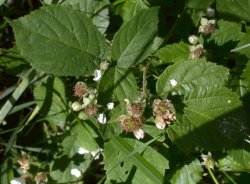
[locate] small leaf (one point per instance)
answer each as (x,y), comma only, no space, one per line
(245,40)
(189,74)
(60,40)
(226,32)
(236,8)
(190,173)
(173,53)
(135,39)
(209,118)
(51,98)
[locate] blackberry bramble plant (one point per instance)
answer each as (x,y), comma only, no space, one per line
(125,91)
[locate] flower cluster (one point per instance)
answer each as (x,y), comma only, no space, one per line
(206,27)
(133,121)
(87,98)
(164,113)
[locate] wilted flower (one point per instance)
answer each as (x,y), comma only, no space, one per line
(207,26)
(164,113)
(80,89)
(97,75)
(134,108)
(91,109)
(24,162)
(208,161)
(104,65)
(41,177)
(76,172)
(130,123)
(196,51)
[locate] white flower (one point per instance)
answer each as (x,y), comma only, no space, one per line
(96,154)
(139,134)
(97,75)
(86,101)
(173,82)
(76,172)
(76,106)
(102,118)
(193,39)
(207,26)
(17,181)
(83,151)
(210,12)
(110,105)
(208,161)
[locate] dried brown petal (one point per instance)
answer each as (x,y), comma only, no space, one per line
(91,109)
(80,90)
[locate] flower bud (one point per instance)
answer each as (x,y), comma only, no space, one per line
(97,75)
(76,106)
(193,39)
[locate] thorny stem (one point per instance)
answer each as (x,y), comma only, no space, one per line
(144,79)
(212,175)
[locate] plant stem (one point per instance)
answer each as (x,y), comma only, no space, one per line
(144,79)
(229,178)
(212,175)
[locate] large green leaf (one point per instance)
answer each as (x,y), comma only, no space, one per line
(208,118)
(244,41)
(51,99)
(189,74)
(120,155)
(173,53)
(226,32)
(136,39)
(117,83)
(236,8)
(60,40)
(94,9)
(189,173)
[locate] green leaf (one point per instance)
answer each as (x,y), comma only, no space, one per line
(199,4)
(131,9)
(190,173)
(226,32)
(189,74)
(245,40)
(173,53)
(60,40)
(119,157)
(117,83)
(50,96)
(208,118)
(238,160)
(60,168)
(2,1)
(236,8)
(134,42)
(95,10)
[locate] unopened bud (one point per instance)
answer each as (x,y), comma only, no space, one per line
(76,106)
(193,39)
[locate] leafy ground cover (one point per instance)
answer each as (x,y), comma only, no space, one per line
(125,91)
